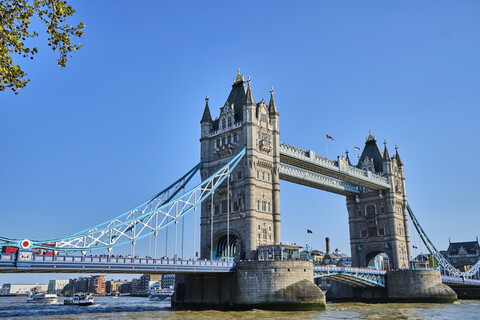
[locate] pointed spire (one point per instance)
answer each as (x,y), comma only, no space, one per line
(250,99)
(207,117)
(397,156)
(347,158)
(272,107)
(386,155)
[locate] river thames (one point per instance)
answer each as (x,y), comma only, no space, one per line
(142,308)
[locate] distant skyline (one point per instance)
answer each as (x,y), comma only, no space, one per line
(86,143)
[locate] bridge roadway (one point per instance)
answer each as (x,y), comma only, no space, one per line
(355,277)
(94,264)
(35,263)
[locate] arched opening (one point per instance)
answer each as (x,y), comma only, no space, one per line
(371,210)
(227,251)
(377,260)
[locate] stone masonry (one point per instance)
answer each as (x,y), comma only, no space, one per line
(250,199)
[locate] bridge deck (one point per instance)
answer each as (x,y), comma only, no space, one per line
(355,277)
(84,264)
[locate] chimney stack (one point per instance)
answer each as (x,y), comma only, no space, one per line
(327,244)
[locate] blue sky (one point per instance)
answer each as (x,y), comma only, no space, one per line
(86,143)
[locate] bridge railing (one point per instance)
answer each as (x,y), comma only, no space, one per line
(349,270)
(118,260)
(310,156)
(460,280)
(317,178)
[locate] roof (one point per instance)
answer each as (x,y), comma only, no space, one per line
(238,96)
(372,151)
(470,247)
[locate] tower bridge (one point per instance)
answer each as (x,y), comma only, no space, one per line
(242,163)
(374,188)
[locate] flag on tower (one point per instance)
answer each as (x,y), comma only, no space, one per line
(356,148)
(329,137)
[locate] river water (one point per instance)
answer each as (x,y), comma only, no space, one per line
(142,308)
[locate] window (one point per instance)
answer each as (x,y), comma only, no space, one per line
(381,231)
(372,232)
(268,177)
(223,123)
(229,121)
(235,205)
(239,175)
(235,137)
(269,228)
(263,175)
(359,213)
(225,140)
(264,234)
(263,117)
(219,141)
(264,205)
(370,210)
(382,210)
(258,204)
(258,175)
(364,234)
(224,206)
(269,207)
(259,227)
(217,209)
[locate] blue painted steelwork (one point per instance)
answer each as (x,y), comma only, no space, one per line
(158,212)
(88,264)
(459,281)
(356,277)
(442,262)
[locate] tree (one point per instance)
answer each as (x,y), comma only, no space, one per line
(432,263)
(15,16)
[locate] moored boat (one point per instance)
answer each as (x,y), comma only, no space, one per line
(79,299)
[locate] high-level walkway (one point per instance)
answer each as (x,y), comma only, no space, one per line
(309,169)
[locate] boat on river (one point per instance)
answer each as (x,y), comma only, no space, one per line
(79,299)
(41,297)
(161,294)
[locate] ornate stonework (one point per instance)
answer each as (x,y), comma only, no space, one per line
(251,198)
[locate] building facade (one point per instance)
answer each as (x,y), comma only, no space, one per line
(244,211)
(463,255)
(56,286)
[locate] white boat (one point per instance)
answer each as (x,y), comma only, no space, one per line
(161,294)
(79,299)
(41,297)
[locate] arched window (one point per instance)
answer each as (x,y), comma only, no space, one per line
(370,210)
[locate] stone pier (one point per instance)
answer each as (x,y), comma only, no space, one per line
(274,285)
(401,286)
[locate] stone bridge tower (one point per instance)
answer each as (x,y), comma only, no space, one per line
(250,200)
(378,219)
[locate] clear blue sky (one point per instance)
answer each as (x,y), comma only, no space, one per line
(86,143)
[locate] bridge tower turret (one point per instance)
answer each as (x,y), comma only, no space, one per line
(378,219)
(245,211)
